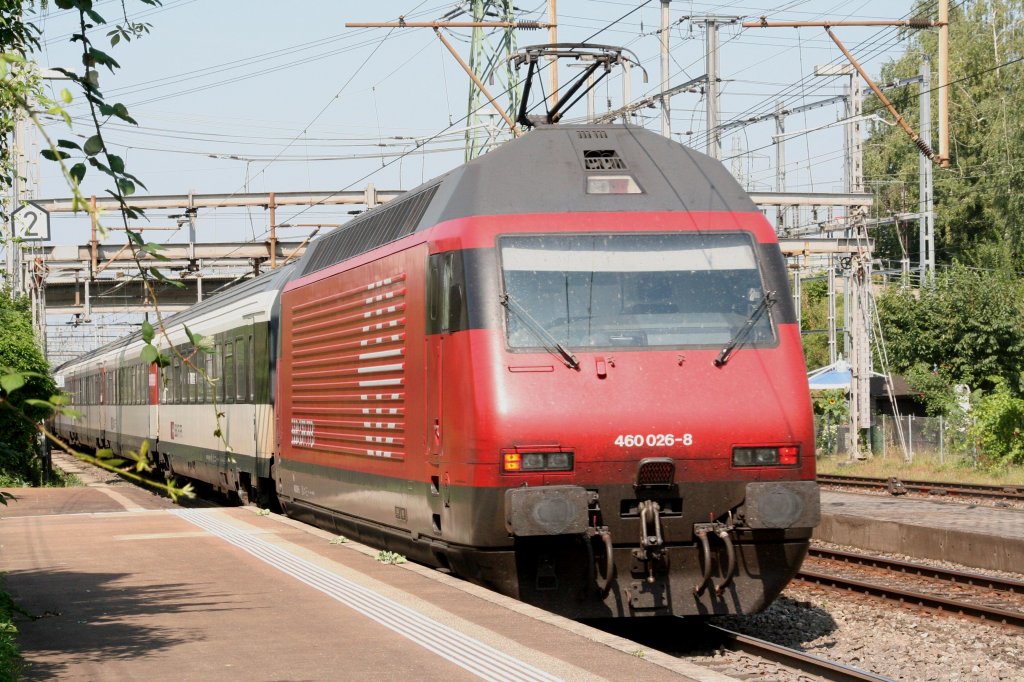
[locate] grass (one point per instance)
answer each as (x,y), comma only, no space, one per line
(925,467)
(59,479)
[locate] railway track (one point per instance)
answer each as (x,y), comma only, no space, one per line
(974,602)
(998,492)
(791,658)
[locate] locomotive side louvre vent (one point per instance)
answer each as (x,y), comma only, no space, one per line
(347,366)
(592,134)
(377,227)
(602,160)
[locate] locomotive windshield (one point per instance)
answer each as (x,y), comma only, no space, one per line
(627,290)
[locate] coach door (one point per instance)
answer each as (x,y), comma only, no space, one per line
(103,409)
(153,394)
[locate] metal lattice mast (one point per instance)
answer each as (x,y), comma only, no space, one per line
(488,58)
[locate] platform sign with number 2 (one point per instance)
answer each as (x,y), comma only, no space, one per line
(32,223)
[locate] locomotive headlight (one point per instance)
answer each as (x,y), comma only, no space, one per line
(533,461)
(760,457)
(521,462)
(559,461)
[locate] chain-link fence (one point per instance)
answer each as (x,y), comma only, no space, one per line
(935,437)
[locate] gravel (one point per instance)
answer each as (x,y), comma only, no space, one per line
(874,635)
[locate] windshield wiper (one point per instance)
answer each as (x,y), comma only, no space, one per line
(740,337)
(539,331)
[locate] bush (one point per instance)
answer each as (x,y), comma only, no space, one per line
(10,656)
(19,352)
(999,426)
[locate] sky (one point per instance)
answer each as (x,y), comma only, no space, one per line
(259,96)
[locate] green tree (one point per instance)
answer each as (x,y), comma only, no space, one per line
(19,402)
(965,326)
(814,321)
(19,38)
(980,199)
(999,426)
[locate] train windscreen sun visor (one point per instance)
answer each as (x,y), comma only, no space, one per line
(628,290)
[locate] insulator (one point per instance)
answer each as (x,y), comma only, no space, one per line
(925,149)
(919,22)
(529,25)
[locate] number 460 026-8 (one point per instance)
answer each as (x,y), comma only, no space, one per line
(653,440)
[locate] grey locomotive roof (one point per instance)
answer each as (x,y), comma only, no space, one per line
(545,171)
(273,280)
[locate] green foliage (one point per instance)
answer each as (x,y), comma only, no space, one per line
(999,426)
(965,326)
(10,656)
(830,410)
(814,321)
(386,557)
(17,39)
(981,198)
(935,391)
(25,390)
(831,404)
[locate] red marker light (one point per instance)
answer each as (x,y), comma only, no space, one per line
(512,461)
(789,455)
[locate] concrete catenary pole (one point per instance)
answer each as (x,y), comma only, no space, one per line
(781,214)
(944,83)
(926,205)
(714,144)
(666,108)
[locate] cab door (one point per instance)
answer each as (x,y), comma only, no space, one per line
(440,281)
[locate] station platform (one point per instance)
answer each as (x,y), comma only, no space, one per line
(121,584)
(969,534)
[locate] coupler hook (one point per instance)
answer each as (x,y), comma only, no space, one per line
(650,509)
(650,542)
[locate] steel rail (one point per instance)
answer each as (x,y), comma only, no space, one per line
(1009,492)
(908,597)
(910,568)
(792,658)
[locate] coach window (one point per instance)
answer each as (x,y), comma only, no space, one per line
(218,371)
(252,370)
(242,373)
(208,388)
(200,362)
(172,380)
(186,383)
(229,372)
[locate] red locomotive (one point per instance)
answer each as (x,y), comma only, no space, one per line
(569,370)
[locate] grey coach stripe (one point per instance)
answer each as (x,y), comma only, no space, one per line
(464,651)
